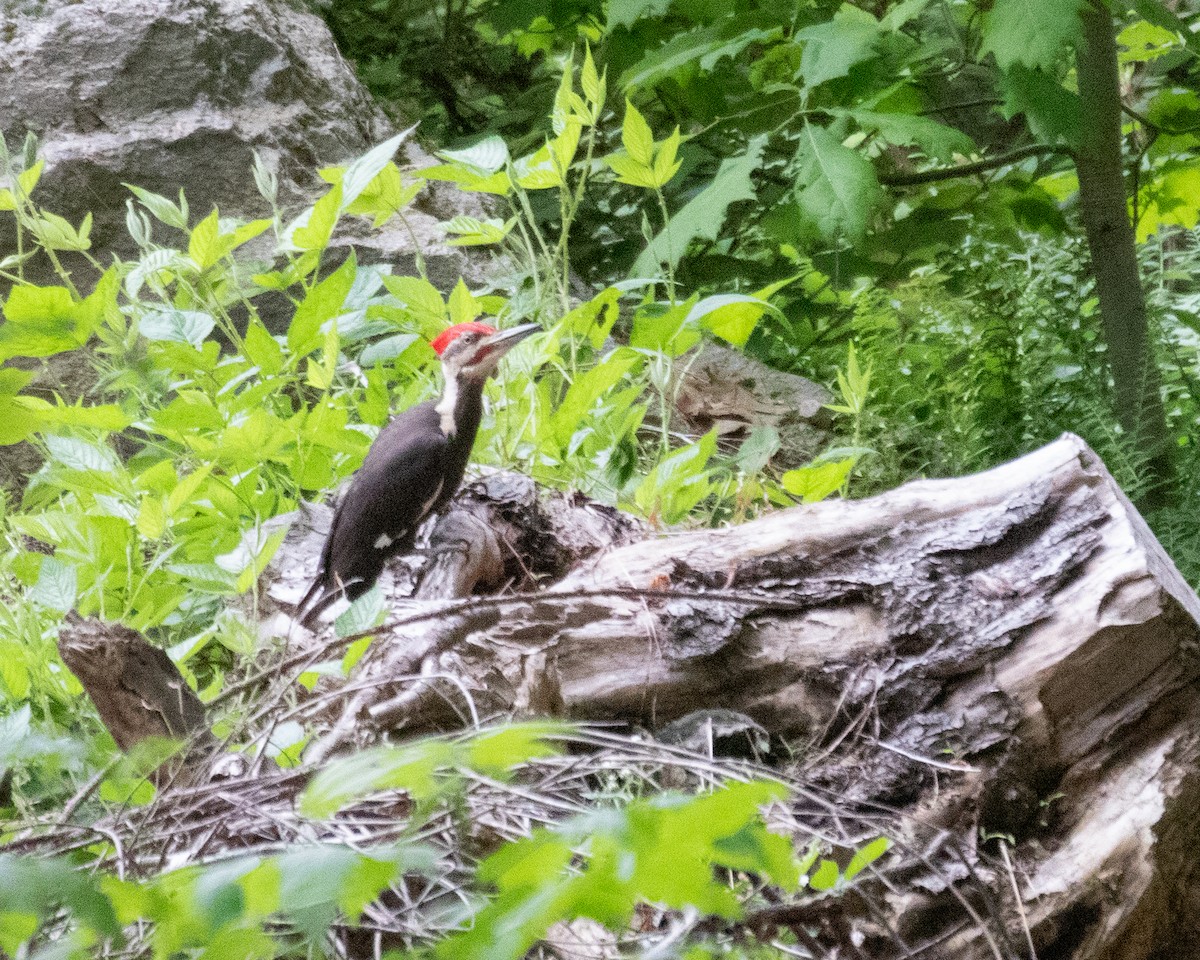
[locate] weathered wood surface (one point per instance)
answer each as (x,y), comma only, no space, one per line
(138,691)
(1011,653)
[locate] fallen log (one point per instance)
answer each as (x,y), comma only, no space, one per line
(1006,654)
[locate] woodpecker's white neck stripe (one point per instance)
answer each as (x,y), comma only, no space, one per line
(447,404)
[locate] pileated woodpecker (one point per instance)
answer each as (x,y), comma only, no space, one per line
(411,471)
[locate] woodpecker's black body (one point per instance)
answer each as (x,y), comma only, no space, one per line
(411,471)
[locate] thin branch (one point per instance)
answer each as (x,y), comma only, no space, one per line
(970,169)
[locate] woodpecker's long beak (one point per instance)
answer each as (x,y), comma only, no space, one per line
(492,347)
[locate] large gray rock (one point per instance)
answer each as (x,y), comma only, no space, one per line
(180,93)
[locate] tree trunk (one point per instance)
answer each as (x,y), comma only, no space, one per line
(1103,206)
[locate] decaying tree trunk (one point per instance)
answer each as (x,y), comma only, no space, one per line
(998,671)
(1011,653)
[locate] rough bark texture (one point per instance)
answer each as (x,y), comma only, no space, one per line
(138,692)
(1103,207)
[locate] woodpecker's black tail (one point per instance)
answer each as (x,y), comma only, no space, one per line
(316,601)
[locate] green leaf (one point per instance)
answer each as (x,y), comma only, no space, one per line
(161,208)
(833,48)
(462,305)
(733,316)
(497,753)
(630,171)
(705,46)
(837,188)
(473,232)
(76,454)
(360,174)
(203,247)
(818,481)
(347,779)
(487,156)
(417,295)
(906,129)
(313,228)
(702,216)
(364,613)
(1170,199)
(624,13)
(469,180)
(587,389)
(322,303)
(1031,32)
(56,586)
(636,136)
(665,164)
(866,856)
(1054,113)
(176,326)
(825,877)
(262,349)
(56,233)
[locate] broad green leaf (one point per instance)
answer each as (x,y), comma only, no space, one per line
(1031,32)
(1144,41)
(469,180)
(818,481)
(322,303)
(364,613)
(834,48)
(702,216)
(498,752)
(203,246)
(56,233)
(262,349)
(592,83)
(837,188)
(1170,199)
(705,46)
(56,586)
(417,295)
(161,208)
(76,454)
(665,164)
(347,779)
(582,395)
(17,421)
(487,156)
(101,416)
(360,174)
(825,877)
(313,228)
(1053,112)
(630,171)
(462,305)
(665,330)
(176,326)
(636,136)
(472,232)
(733,316)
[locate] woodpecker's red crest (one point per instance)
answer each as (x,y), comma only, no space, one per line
(450,334)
